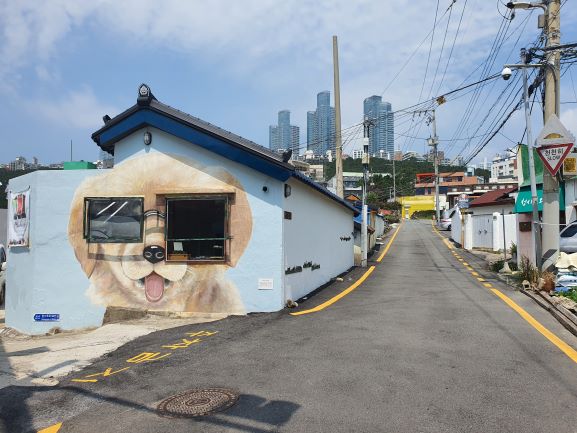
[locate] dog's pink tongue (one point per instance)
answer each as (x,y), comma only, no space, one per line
(153,287)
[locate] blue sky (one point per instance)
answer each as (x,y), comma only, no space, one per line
(64,64)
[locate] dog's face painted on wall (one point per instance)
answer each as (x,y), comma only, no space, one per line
(135,275)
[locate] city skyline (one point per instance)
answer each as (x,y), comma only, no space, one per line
(284,136)
(381,127)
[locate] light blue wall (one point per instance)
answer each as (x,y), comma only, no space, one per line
(46,277)
(263,256)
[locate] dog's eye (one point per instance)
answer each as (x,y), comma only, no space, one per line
(148,254)
(159,255)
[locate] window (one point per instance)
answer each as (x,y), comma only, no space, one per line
(114,219)
(569,231)
(197,228)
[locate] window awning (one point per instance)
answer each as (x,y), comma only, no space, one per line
(523,204)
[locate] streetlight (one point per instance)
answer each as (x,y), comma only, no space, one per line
(526,5)
(536,229)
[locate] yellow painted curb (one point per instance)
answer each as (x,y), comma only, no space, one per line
(51,429)
(564,347)
(560,344)
(353,286)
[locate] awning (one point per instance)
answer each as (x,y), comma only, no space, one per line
(523,204)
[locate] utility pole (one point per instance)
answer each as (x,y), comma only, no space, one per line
(394,178)
(338,137)
(552,98)
(365,160)
(535,226)
(434,141)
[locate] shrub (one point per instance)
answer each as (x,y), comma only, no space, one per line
(423,214)
(528,271)
(391,219)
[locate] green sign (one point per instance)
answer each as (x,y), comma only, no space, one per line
(523,204)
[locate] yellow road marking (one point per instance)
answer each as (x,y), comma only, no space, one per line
(51,429)
(465,263)
(561,345)
(446,241)
(469,268)
(386,250)
(564,347)
(337,297)
(354,285)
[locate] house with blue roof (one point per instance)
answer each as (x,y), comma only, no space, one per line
(191,219)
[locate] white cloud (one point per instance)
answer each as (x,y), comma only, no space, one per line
(282,47)
(76,109)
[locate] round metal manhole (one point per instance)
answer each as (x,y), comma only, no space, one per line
(198,402)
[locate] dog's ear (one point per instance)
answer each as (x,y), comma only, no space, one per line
(76,234)
(240,226)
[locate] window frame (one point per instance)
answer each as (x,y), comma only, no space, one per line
(228,200)
(86,222)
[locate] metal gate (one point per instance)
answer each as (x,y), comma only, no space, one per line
(483,231)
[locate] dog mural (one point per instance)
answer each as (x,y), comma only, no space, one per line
(136,275)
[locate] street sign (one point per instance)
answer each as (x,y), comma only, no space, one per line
(554,144)
(463,201)
(553,155)
(46,317)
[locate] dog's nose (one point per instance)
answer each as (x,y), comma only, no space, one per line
(154,253)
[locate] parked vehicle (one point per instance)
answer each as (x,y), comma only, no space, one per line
(446,219)
(2,274)
(568,239)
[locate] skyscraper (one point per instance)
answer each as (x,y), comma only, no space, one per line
(382,130)
(321,125)
(284,136)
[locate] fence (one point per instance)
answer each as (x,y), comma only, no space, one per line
(483,231)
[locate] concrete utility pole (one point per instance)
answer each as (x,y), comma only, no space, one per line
(394,179)
(434,141)
(338,137)
(365,160)
(535,226)
(550,184)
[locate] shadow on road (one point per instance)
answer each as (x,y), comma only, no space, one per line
(15,416)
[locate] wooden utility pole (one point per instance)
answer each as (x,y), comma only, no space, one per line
(338,137)
(551,209)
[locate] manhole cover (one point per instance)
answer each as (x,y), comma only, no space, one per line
(197,402)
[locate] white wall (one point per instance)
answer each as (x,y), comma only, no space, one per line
(262,258)
(510,231)
(456,227)
(45,277)
(314,235)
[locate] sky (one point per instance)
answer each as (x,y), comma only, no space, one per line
(65,64)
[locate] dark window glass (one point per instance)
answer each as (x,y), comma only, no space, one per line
(569,231)
(113,219)
(196,228)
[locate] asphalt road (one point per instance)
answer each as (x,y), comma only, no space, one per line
(420,346)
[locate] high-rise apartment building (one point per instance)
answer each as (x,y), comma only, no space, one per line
(284,136)
(382,129)
(321,126)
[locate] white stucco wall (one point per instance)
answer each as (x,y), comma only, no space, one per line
(46,278)
(313,235)
(262,259)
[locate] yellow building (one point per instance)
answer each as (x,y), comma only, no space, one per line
(414,203)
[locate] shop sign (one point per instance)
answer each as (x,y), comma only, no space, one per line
(463,201)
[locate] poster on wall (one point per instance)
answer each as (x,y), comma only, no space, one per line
(18,218)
